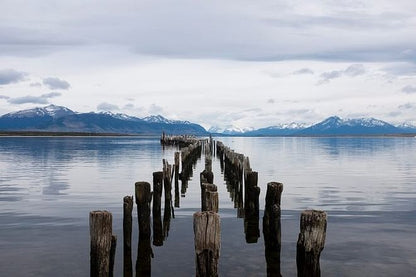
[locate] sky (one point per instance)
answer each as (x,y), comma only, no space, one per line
(247,64)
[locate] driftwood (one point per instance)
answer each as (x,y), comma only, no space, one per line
(311,242)
(207,232)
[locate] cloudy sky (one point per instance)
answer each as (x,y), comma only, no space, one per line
(217,63)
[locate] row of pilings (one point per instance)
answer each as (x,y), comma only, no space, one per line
(241,183)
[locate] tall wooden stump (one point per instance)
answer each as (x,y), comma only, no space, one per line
(251,208)
(101,236)
(157,214)
(127,230)
(207,232)
(311,242)
(168,198)
(206,187)
(211,201)
(176,166)
(144,252)
(112,254)
(272,228)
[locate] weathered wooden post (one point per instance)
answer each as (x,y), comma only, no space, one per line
(143,199)
(177,198)
(207,233)
(204,188)
(311,242)
(251,208)
(211,201)
(144,252)
(157,214)
(112,254)
(101,236)
(272,228)
(127,230)
(168,198)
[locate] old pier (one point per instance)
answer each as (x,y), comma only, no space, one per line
(242,185)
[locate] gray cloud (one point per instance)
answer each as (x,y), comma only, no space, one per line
(36,84)
(155,109)
(56,83)
(4,97)
(43,99)
(107,107)
(270,101)
(351,71)
(354,70)
(268,31)
(409,89)
(9,76)
(303,71)
(407,106)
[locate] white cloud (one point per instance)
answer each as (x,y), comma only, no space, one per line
(10,76)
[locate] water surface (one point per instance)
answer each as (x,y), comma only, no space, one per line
(48,185)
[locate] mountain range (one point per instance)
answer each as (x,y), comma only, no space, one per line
(61,119)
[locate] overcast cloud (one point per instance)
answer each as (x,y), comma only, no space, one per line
(205,61)
(10,76)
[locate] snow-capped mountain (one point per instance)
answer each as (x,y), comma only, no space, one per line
(163,120)
(229,130)
(278,130)
(334,125)
(61,119)
(51,110)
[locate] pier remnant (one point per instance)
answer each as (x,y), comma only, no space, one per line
(207,233)
(311,242)
(100,243)
(127,231)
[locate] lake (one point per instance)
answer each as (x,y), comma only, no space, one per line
(367,186)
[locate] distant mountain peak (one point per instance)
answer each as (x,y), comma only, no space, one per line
(50,110)
(160,119)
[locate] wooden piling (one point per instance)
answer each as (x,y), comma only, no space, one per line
(311,242)
(176,169)
(207,233)
(100,246)
(204,188)
(143,199)
(272,228)
(112,254)
(157,214)
(211,201)
(251,208)
(127,231)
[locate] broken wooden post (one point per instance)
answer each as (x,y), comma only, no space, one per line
(112,254)
(176,166)
(157,214)
(127,230)
(143,199)
(168,198)
(207,233)
(310,243)
(272,228)
(101,232)
(211,201)
(204,188)
(251,208)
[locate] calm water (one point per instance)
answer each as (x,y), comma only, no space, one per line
(366,185)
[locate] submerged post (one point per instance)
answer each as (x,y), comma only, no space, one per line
(100,247)
(311,242)
(127,230)
(207,233)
